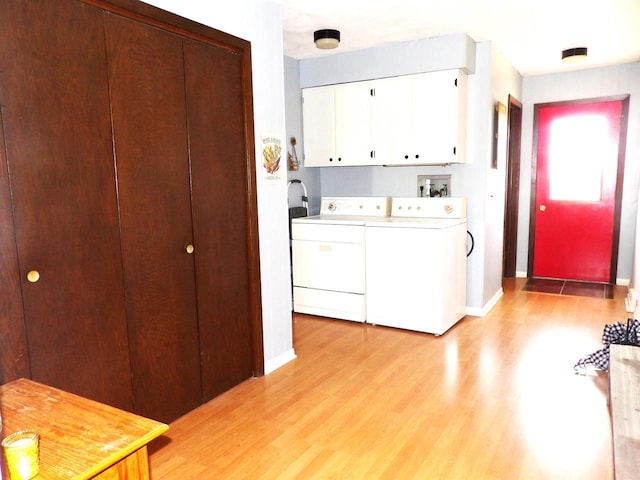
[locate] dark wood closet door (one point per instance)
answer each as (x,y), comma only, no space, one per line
(221,185)
(149,122)
(55,109)
(14,355)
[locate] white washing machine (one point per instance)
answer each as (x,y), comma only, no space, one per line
(328,257)
(416,265)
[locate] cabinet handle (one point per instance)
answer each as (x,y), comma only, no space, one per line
(339,159)
(331,159)
(406,157)
(189,249)
(373,154)
(454,150)
(33,276)
(417,155)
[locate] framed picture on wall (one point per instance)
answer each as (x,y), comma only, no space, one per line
(499,135)
(272,170)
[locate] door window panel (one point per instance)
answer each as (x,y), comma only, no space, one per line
(578,145)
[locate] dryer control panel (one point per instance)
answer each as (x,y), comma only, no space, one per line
(417,207)
(356,206)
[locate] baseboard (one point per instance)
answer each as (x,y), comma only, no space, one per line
(279,361)
(481,312)
(521,274)
(631,302)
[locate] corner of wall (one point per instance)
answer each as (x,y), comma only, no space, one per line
(274,363)
(487,307)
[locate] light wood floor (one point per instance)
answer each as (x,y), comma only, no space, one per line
(494,398)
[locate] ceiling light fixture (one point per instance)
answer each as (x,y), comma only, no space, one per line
(573,55)
(327,38)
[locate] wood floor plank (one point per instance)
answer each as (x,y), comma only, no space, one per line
(494,398)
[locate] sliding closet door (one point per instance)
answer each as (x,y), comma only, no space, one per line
(55,110)
(150,133)
(221,214)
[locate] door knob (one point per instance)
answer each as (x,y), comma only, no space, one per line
(33,276)
(543,208)
(189,249)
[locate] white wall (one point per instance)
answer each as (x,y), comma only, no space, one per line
(592,83)
(426,55)
(505,81)
(310,177)
(260,22)
(494,79)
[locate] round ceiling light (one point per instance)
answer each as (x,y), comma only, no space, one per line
(327,38)
(572,55)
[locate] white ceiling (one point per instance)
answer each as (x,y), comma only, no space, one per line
(530,33)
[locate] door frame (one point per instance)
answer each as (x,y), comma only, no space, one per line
(622,144)
(512,179)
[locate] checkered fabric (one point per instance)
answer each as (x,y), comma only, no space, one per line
(619,333)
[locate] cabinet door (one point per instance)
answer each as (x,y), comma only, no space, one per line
(56,117)
(435,117)
(353,123)
(338,126)
(146,77)
(223,189)
(393,121)
(318,123)
(458,109)
(419,119)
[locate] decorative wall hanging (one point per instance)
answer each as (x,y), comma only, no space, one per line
(499,135)
(271,155)
(292,156)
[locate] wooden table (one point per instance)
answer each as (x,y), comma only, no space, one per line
(79,438)
(624,391)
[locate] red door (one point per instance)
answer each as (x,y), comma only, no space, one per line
(578,160)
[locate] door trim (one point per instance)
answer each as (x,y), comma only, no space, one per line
(622,143)
(512,178)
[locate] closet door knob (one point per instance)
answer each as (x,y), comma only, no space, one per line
(189,249)
(33,276)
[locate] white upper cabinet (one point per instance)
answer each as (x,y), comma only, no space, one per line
(354,135)
(440,117)
(337,125)
(423,119)
(393,121)
(318,122)
(408,120)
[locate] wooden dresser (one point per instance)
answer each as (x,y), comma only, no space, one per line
(624,391)
(79,438)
